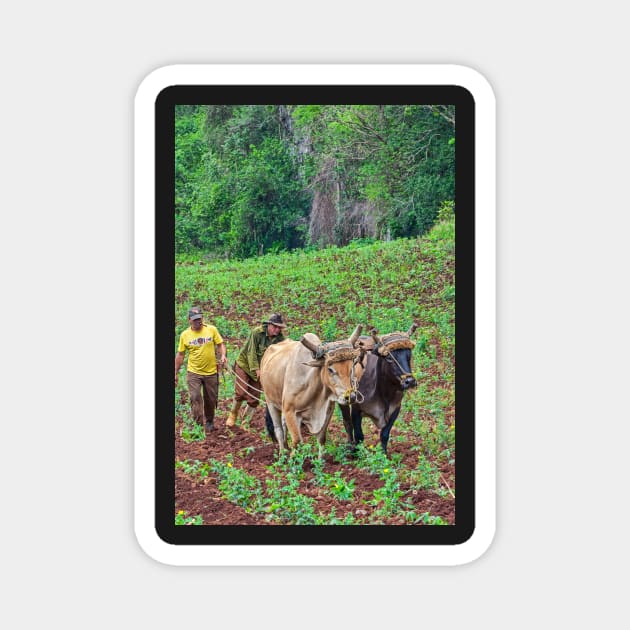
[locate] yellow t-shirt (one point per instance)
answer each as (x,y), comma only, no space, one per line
(200,345)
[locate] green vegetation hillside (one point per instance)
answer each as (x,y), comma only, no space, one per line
(254,179)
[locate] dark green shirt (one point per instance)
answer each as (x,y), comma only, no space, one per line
(251,353)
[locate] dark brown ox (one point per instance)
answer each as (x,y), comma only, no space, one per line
(386,377)
(303,380)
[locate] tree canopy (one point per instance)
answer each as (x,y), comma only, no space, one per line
(253,179)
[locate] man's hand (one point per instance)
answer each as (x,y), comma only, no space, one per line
(179,361)
(257,375)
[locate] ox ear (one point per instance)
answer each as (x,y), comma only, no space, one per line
(362,354)
(374,333)
(314,363)
(355,334)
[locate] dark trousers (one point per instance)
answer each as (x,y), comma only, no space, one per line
(203,391)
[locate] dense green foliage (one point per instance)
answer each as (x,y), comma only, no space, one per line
(255,179)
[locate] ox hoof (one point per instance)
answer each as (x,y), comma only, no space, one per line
(209,427)
(353,451)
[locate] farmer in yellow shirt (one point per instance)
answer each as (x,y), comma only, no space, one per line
(201,341)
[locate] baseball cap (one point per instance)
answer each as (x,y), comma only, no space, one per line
(195,313)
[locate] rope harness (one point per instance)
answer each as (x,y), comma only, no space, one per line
(359,398)
(243,382)
(337,351)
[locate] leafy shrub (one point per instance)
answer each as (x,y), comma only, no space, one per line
(446,211)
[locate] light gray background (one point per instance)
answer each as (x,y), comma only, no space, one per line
(69,73)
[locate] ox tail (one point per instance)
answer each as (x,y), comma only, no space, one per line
(269,424)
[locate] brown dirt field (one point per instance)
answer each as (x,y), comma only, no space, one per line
(201,496)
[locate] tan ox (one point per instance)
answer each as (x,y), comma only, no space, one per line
(303,380)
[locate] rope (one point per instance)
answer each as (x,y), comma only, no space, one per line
(244,383)
(354,383)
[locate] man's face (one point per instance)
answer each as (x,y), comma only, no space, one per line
(196,324)
(273,330)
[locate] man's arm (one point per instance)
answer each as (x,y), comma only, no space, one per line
(253,359)
(179,360)
(222,358)
(247,352)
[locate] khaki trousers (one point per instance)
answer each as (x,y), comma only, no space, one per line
(203,391)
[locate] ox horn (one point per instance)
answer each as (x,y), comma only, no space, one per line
(412,329)
(374,333)
(309,344)
(355,335)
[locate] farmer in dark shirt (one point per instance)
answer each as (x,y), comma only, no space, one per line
(247,367)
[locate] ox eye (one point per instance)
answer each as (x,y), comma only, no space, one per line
(331,370)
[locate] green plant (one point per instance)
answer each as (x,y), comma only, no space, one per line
(284,502)
(247,451)
(237,486)
(193,432)
(426,475)
(371,458)
(340,488)
(182,518)
(195,468)
(388,497)
(334,484)
(339,451)
(427,519)
(331,519)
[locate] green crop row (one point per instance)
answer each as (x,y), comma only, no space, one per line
(281,497)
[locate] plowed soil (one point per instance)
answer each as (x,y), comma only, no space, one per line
(196,496)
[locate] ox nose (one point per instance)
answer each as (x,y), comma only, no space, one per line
(410,381)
